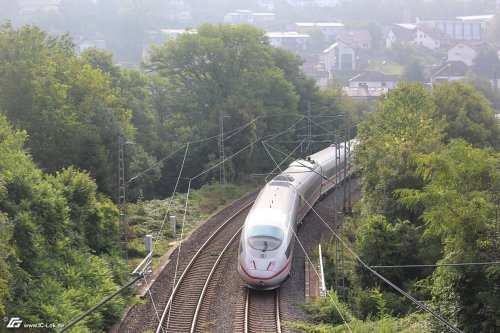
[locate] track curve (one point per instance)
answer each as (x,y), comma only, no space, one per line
(186,298)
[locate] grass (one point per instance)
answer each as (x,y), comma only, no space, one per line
(385,66)
(147,217)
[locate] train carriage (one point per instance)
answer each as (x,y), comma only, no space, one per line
(268,235)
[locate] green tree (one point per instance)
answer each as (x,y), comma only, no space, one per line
(404,123)
(486,63)
(230,71)
(468,114)
(414,71)
(460,197)
(58,239)
(74,109)
(383,243)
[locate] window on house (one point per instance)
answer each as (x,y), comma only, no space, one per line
(384,83)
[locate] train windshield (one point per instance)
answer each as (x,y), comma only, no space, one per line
(265,237)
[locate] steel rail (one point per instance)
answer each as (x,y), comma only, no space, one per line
(278,322)
(205,287)
(276,319)
(186,270)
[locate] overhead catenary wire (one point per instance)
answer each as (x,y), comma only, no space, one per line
(490,263)
(418,303)
(290,128)
(302,247)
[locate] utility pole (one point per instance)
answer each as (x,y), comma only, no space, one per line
(339,248)
(222,173)
(308,127)
(121,199)
(347,155)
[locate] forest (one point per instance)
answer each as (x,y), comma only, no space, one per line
(427,160)
(429,168)
(62,115)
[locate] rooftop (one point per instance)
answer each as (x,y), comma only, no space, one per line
(449,68)
(373,76)
(286,34)
(319,24)
(355,35)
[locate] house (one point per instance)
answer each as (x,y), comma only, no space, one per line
(245,16)
(402,33)
(267,4)
(290,40)
(485,20)
(371,95)
(456,28)
(328,3)
(339,56)
(374,79)
(317,72)
(314,3)
(370,85)
(32,6)
(448,71)
(329,29)
(463,51)
(99,44)
(357,39)
(174,33)
(431,38)
(177,10)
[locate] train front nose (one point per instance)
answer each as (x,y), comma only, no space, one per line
(263,274)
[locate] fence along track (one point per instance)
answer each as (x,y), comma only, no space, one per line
(260,313)
(179,312)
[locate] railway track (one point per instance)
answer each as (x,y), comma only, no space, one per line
(188,305)
(260,312)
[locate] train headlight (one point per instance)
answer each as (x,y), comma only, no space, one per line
(252,265)
(271,265)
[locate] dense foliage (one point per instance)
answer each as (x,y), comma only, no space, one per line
(58,240)
(430,178)
(61,115)
(233,72)
(71,111)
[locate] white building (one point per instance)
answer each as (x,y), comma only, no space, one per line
(459,29)
(431,38)
(339,56)
(291,40)
(32,6)
(174,33)
(370,85)
(465,52)
(373,79)
(448,71)
(329,29)
(267,4)
(245,16)
(314,3)
(400,33)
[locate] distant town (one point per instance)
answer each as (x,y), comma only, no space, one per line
(366,58)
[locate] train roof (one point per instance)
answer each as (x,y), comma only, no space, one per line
(277,196)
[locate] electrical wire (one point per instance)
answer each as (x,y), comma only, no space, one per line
(295,234)
(439,265)
(418,303)
(187,200)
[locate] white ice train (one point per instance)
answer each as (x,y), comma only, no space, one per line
(267,238)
